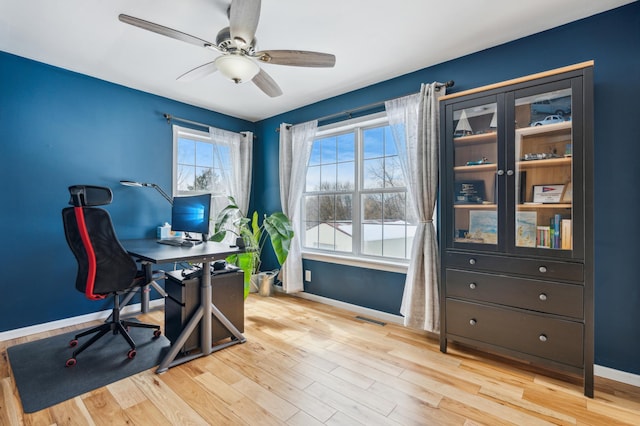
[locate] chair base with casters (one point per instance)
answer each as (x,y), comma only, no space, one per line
(116,326)
(155,277)
(105,269)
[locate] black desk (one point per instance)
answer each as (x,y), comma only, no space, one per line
(149,251)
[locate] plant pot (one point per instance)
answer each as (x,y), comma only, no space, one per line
(266,280)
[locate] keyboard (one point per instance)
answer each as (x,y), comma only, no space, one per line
(180,243)
(170,242)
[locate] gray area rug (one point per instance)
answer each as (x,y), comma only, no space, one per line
(43,380)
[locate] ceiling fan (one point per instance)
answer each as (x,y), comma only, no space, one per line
(237,44)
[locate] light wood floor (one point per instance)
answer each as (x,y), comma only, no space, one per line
(309,364)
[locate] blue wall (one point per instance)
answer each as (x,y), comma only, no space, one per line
(60,128)
(611,40)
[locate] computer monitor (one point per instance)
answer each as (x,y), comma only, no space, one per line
(191,214)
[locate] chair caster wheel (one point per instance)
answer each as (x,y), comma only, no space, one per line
(131,354)
(70,362)
(157,333)
(73,343)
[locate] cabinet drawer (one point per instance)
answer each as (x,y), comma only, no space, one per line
(535,268)
(537,295)
(538,335)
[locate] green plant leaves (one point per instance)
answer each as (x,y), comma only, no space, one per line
(278,229)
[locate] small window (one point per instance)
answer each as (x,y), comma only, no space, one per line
(200,163)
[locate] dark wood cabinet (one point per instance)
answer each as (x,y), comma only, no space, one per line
(516,219)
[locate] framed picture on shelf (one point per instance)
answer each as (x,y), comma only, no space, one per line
(567,195)
(526,223)
(483,225)
(469,192)
(547,193)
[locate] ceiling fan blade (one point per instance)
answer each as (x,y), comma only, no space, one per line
(199,72)
(297,58)
(243,20)
(165,31)
(267,84)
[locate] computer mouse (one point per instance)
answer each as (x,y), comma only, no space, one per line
(187,243)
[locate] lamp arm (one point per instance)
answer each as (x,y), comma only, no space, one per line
(164,194)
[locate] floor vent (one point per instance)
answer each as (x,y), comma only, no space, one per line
(372,321)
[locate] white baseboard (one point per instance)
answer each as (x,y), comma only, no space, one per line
(599,370)
(370,313)
(617,375)
(54,325)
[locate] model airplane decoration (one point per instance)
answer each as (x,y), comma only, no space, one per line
(236,43)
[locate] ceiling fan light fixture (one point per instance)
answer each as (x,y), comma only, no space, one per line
(238,68)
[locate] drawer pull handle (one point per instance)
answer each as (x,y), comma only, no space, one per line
(473,321)
(472,286)
(542,269)
(543,338)
(542,297)
(472,261)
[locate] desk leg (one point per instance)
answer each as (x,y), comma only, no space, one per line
(205,303)
(145,290)
(228,324)
(168,360)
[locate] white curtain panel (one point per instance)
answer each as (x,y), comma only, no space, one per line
(295,149)
(414,121)
(237,183)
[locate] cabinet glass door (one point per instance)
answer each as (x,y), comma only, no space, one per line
(543,171)
(475,159)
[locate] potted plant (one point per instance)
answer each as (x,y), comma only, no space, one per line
(251,234)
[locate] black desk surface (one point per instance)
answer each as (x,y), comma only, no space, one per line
(150,250)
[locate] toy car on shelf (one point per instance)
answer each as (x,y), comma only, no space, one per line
(549,119)
(540,156)
(484,160)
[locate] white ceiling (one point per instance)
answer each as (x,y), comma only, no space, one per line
(373,40)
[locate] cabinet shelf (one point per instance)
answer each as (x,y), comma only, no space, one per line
(562,127)
(475,139)
(491,206)
(536,206)
(549,162)
(477,168)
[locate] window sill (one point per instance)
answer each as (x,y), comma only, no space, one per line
(380,265)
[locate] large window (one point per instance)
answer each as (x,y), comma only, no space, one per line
(200,162)
(355,199)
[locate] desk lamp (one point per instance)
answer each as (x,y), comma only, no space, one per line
(151,185)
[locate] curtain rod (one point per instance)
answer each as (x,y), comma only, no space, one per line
(170,117)
(349,113)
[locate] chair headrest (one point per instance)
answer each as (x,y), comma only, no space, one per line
(90,195)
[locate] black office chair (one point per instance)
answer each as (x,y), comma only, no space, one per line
(104,266)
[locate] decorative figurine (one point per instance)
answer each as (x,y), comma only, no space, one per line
(484,160)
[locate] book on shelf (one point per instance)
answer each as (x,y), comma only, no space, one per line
(543,236)
(567,237)
(555,231)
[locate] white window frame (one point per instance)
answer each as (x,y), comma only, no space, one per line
(192,134)
(344,258)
